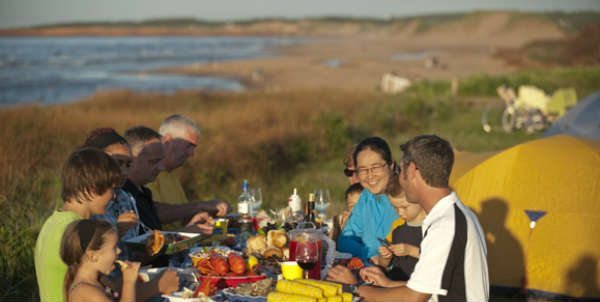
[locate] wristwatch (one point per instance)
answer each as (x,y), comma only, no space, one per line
(353,288)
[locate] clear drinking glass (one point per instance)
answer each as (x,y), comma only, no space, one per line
(322,201)
(257,197)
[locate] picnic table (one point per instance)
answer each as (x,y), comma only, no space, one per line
(204,263)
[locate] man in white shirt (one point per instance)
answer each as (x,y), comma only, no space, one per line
(452,265)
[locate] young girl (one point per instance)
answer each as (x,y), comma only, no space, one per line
(89,248)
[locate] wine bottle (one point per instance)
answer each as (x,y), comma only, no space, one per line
(309,216)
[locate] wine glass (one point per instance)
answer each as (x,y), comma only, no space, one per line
(322,199)
(257,198)
(307,255)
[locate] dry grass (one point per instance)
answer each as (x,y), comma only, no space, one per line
(36,138)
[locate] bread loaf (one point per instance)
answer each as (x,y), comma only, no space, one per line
(276,238)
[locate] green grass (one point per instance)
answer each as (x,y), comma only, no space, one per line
(277,141)
(585,80)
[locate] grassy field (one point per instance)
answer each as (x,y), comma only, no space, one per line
(276,140)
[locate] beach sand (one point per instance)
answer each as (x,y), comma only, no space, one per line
(355,59)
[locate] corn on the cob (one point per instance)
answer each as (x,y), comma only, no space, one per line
(328,289)
(347,297)
(338,285)
(293,287)
(285,297)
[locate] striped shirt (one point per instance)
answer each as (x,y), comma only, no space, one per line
(452,265)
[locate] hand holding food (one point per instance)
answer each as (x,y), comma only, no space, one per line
(216,207)
(403,249)
(201,223)
(130,270)
(222,208)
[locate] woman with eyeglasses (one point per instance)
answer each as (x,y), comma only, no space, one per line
(373,214)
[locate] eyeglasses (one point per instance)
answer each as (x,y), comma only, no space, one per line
(349,172)
(377,169)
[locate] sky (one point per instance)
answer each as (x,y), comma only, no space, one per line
(15,13)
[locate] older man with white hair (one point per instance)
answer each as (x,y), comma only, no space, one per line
(179,136)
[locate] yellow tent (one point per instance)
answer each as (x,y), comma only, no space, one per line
(557,176)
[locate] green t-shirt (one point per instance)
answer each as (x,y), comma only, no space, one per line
(50,270)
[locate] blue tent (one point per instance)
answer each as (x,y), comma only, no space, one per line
(583,120)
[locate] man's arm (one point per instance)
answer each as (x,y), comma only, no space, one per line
(166,283)
(169,213)
(402,293)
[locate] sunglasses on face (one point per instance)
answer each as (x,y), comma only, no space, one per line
(349,172)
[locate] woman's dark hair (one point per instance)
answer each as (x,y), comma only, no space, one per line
(377,145)
(101,138)
(89,171)
(79,237)
(355,188)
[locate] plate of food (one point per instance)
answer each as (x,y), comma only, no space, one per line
(187,295)
(187,277)
(159,242)
(250,292)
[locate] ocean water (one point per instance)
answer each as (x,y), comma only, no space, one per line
(60,69)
